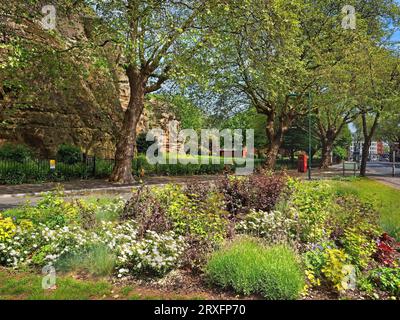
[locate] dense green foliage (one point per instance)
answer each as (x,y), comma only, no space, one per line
(251,268)
(69,154)
(15,152)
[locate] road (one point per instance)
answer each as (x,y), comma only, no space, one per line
(382,168)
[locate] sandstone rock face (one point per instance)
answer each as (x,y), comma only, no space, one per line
(86,111)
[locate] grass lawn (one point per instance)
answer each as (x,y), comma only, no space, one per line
(28,286)
(385,198)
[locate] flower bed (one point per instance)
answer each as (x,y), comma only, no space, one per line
(326,242)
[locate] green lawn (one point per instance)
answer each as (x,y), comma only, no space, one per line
(29,287)
(385,198)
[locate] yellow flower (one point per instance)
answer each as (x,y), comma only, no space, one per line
(7,228)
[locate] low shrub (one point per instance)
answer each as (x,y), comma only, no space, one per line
(327,264)
(388,251)
(14,172)
(170,208)
(15,152)
(98,260)
(351,211)
(87,214)
(110,209)
(154,255)
(259,192)
(98,249)
(272,226)
(249,267)
(196,253)
(52,210)
(202,219)
(387,279)
(148,211)
(314,258)
(310,204)
(7,228)
(359,246)
(334,268)
(69,154)
(199,191)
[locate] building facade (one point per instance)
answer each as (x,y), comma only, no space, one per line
(376,150)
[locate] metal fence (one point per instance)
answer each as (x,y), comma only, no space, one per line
(39,170)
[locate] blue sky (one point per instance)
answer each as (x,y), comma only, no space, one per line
(396,36)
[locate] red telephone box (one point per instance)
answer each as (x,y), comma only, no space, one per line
(302,164)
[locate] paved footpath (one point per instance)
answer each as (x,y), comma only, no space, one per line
(14,195)
(393,182)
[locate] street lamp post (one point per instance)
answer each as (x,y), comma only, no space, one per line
(309,135)
(309,102)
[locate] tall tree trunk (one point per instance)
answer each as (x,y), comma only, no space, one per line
(364,156)
(275,138)
(367,141)
(124,153)
(326,161)
(272,154)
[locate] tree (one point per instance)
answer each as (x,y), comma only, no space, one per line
(335,101)
(377,90)
(276,48)
(297,137)
(334,112)
(189,115)
(154,40)
(153,37)
(261,57)
(248,119)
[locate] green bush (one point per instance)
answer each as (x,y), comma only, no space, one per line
(251,268)
(202,218)
(359,246)
(387,279)
(15,152)
(98,260)
(272,226)
(68,154)
(311,204)
(52,210)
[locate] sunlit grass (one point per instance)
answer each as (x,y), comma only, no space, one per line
(29,287)
(385,198)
